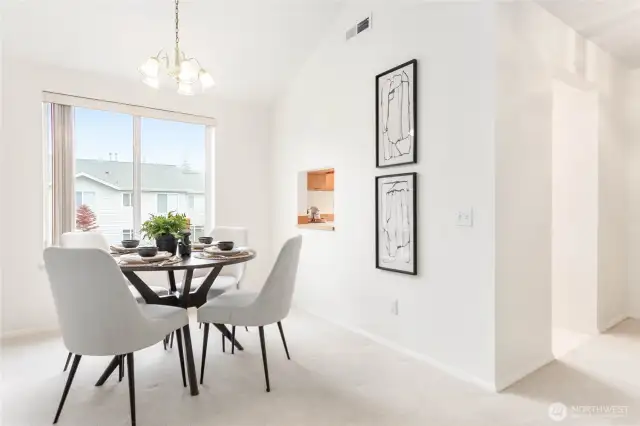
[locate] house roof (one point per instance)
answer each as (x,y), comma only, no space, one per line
(155,177)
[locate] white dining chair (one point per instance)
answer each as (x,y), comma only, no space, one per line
(98,316)
(231,275)
(97,240)
(256,309)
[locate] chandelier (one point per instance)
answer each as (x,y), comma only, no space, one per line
(186,72)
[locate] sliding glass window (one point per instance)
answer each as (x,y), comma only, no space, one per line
(128,167)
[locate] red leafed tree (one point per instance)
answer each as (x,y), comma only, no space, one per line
(85,219)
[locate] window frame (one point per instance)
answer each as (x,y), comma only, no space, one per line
(129,232)
(130,195)
(168,194)
(82,200)
(136,113)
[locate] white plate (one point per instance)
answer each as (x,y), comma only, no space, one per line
(216,250)
(136,258)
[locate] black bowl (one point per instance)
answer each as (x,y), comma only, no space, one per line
(225,245)
(147,251)
(130,243)
(206,240)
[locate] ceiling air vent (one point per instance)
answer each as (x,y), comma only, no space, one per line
(361,26)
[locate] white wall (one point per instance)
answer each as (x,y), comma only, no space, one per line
(574,226)
(2,158)
(535,48)
(613,218)
(446,312)
(632,114)
(242,144)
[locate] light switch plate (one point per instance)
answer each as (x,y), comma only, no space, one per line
(465,218)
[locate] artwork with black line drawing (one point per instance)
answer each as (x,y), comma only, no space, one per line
(396,112)
(396,226)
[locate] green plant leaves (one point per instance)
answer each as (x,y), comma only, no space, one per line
(157,225)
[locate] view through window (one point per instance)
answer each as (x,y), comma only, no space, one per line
(172,172)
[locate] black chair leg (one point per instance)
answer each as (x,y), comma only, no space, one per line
(246,329)
(284,341)
(233,340)
(181,353)
(200,326)
(66,364)
(132,388)
(72,374)
(171,345)
(121,368)
(164,342)
(264,357)
(223,344)
(205,339)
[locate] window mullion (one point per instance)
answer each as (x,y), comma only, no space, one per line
(136,195)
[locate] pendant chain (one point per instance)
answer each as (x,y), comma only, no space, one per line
(177,23)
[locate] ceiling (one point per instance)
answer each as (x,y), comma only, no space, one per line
(251,47)
(614,25)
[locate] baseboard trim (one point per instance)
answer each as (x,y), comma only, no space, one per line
(514,378)
(29,334)
(452,371)
(613,322)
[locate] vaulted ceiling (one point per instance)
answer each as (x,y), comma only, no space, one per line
(251,47)
(614,25)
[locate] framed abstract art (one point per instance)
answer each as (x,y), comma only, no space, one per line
(396,112)
(396,224)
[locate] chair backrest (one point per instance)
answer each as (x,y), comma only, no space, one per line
(89,239)
(97,313)
(240,238)
(275,297)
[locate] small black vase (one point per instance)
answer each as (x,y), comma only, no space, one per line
(167,242)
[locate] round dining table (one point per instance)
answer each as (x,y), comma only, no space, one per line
(184,298)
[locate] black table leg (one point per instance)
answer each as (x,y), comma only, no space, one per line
(226,333)
(115,362)
(172,282)
(186,334)
(191,365)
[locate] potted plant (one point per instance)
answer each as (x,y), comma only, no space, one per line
(165,230)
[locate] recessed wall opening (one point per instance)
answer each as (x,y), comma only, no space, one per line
(315,199)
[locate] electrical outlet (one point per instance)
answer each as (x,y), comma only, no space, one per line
(395,308)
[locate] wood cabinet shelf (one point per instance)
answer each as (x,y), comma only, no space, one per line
(320,180)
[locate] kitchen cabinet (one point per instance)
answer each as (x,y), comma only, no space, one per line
(320,181)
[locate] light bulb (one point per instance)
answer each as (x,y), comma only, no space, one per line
(151,82)
(185,88)
(150,68)
(188,72)
(206,80)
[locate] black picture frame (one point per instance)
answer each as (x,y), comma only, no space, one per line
(413,216)
(413,109)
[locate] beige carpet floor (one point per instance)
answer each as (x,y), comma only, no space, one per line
(335,378)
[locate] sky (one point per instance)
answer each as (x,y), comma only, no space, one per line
(99,133)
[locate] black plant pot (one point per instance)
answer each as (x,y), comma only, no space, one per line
(168,243)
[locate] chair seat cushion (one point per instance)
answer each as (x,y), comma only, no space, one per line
(163,319)
(160,291)
(233,307)
(221,284)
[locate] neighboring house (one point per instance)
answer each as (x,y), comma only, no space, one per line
(106,187)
